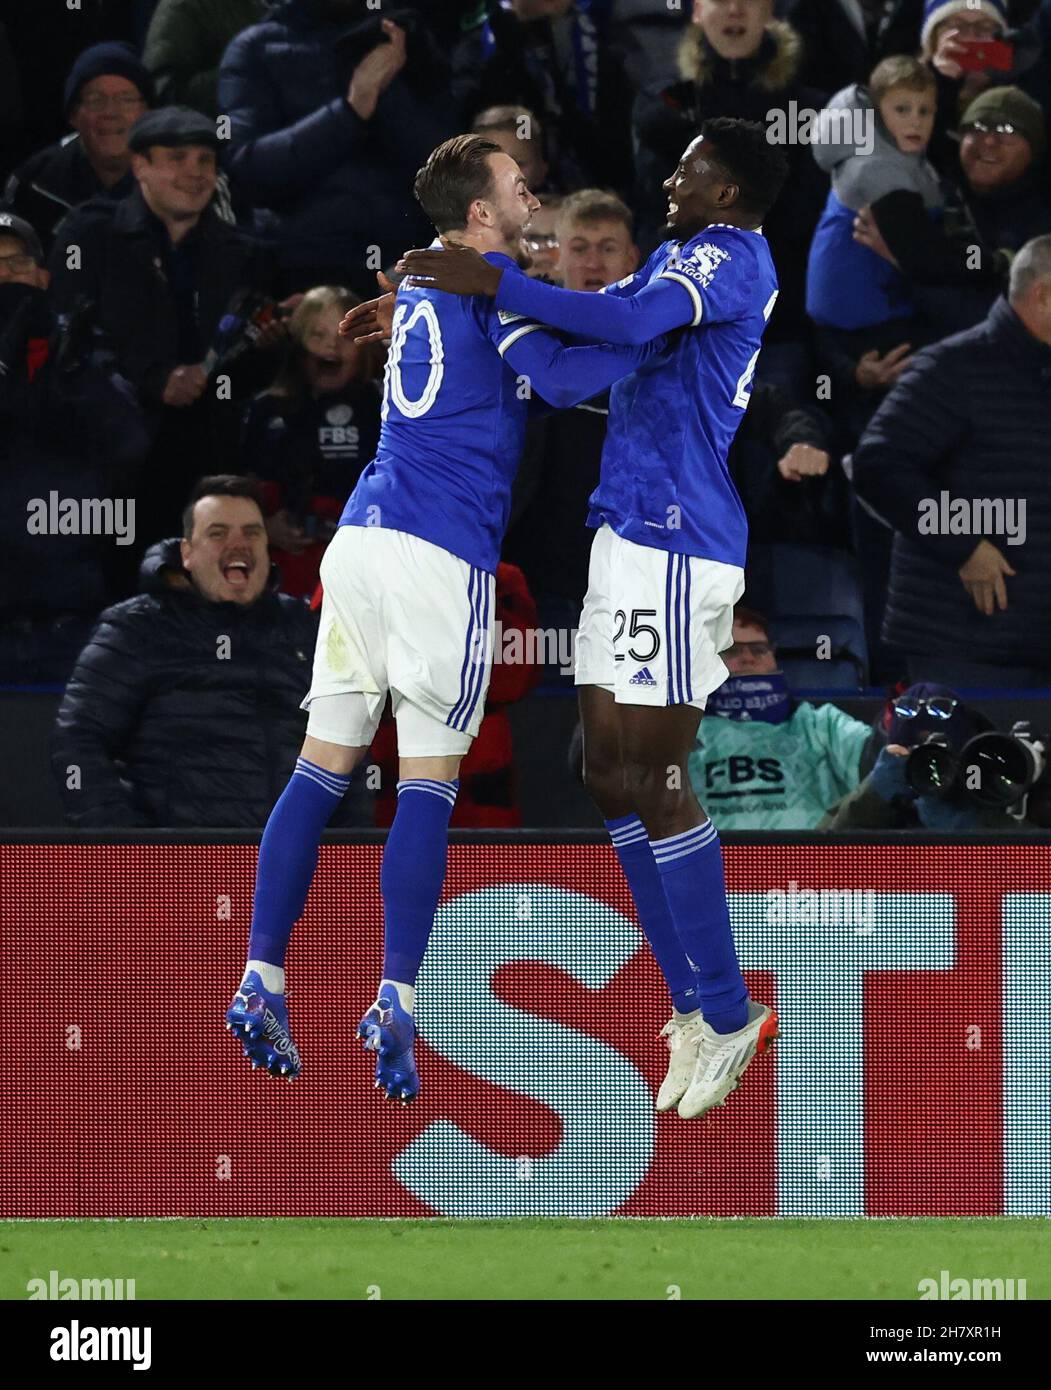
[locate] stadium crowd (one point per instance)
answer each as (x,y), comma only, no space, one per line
(193,193)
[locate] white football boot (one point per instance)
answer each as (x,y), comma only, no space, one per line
(723,1057)
(684,1038)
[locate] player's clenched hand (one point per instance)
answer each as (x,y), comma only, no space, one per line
(375,318)
(457,270)
(983,577)
(803,461)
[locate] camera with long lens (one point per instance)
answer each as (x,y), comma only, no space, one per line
(992,769)
(931,767)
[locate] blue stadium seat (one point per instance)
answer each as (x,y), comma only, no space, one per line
(810,593)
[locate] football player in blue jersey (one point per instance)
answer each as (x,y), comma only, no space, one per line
(409,601)
(667,567)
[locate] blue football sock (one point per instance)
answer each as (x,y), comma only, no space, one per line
(640,869)
(691,869)
(288,857)
(413,872)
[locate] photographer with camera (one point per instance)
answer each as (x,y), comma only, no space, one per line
(942,766)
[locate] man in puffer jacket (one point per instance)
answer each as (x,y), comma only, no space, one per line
(330,120)
(183,709)
(956,461)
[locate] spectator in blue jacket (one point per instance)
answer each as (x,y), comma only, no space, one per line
(330,120)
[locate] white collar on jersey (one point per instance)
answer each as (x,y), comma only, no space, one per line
(758,231)
(676,255)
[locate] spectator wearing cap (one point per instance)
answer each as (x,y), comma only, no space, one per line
(185,42)
(331,116)
(956,461)
(1002,159)
(107,90)
(946,30)
(48,39)
(21,252)
(161,269)
(999,203)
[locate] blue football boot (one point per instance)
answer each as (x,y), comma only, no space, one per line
(259,1022)
(390,1032)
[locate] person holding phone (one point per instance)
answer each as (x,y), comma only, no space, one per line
(964,43)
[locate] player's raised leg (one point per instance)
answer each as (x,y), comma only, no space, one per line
(258,1015)
(603,754)
(411,879)
(596,662)
(657,744)
(440,621)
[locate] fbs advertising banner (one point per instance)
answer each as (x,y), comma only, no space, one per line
(912,1076)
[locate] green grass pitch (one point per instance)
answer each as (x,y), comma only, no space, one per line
(526,1259)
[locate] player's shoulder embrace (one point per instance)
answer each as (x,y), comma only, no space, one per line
(717,253)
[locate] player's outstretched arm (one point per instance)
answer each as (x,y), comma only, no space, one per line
(658,308)
(454,269)
(565,376)
(374,319)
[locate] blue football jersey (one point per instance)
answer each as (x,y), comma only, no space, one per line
(453,425)
(664,480)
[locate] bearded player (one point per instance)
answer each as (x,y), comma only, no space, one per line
(667,567)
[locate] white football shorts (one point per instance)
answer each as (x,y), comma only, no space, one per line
(654,623)
(405,616)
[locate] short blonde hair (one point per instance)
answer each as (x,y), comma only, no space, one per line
(593,205)
(900,71)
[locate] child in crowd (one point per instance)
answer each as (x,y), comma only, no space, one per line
(309,435)
(873,141)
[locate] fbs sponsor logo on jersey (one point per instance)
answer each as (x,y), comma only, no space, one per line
(643,677)
(507,316)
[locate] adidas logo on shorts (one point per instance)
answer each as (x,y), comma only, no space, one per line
(643,677)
